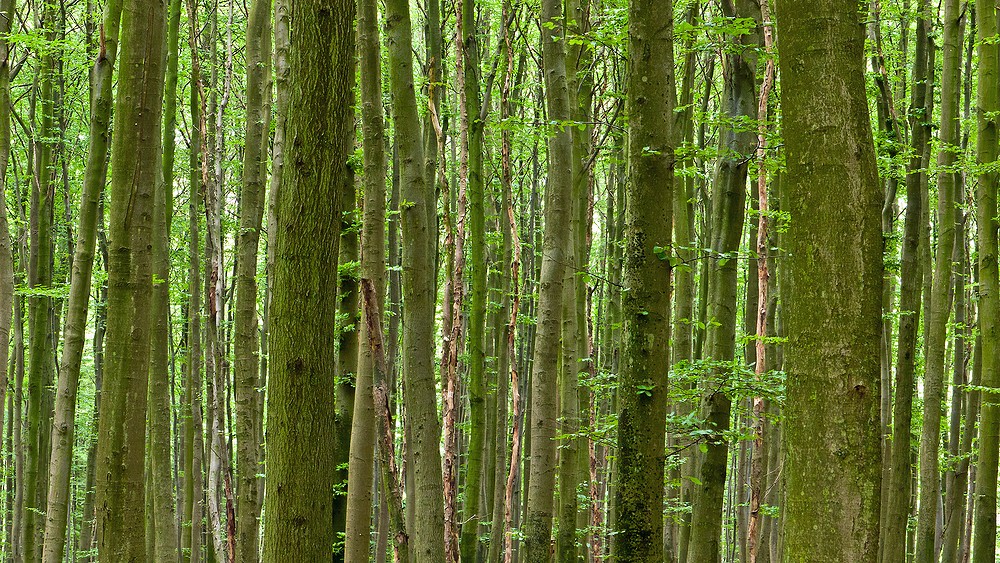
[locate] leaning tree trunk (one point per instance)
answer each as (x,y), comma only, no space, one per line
(75,330)
(831,431)
(134,175)
(642,393)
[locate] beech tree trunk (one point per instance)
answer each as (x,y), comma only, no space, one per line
(134,175)
(831,432)
(642,393)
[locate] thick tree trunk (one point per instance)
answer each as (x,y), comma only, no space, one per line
(555,250)
(988,104)
(7,15)
(134,175)
(303,307)
(831,435)
(642,394)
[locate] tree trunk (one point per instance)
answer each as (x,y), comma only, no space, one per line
(477,271)
(303,306)
(362,459)
(134,175)
(941,294)
(737,146)
(831,436)
(40,308)
(245,341)
(988,97)
(191,539)
(76,318)
(642,393)
(419,236)
(893,536)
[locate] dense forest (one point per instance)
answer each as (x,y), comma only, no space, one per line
(525,281)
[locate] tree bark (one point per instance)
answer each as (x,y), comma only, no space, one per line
(363,429)
(893,537)
(246,345)
(928,539)
(987,106)
(737,145)
(419,236)
(300,422)
(642,393)
(831,435)
(556,253)
(134,175)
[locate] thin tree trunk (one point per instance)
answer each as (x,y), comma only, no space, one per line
(474,125)
(194,442)
(246,347)
(77,309)
(727,216)
(941,295)
(40,308)
(893,537)
(363,429)
(418,293)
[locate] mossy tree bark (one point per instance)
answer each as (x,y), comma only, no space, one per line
(194,446)
(831,435)
(642,393)
(134,175)
(476,266)
(301,424)
(987,106)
